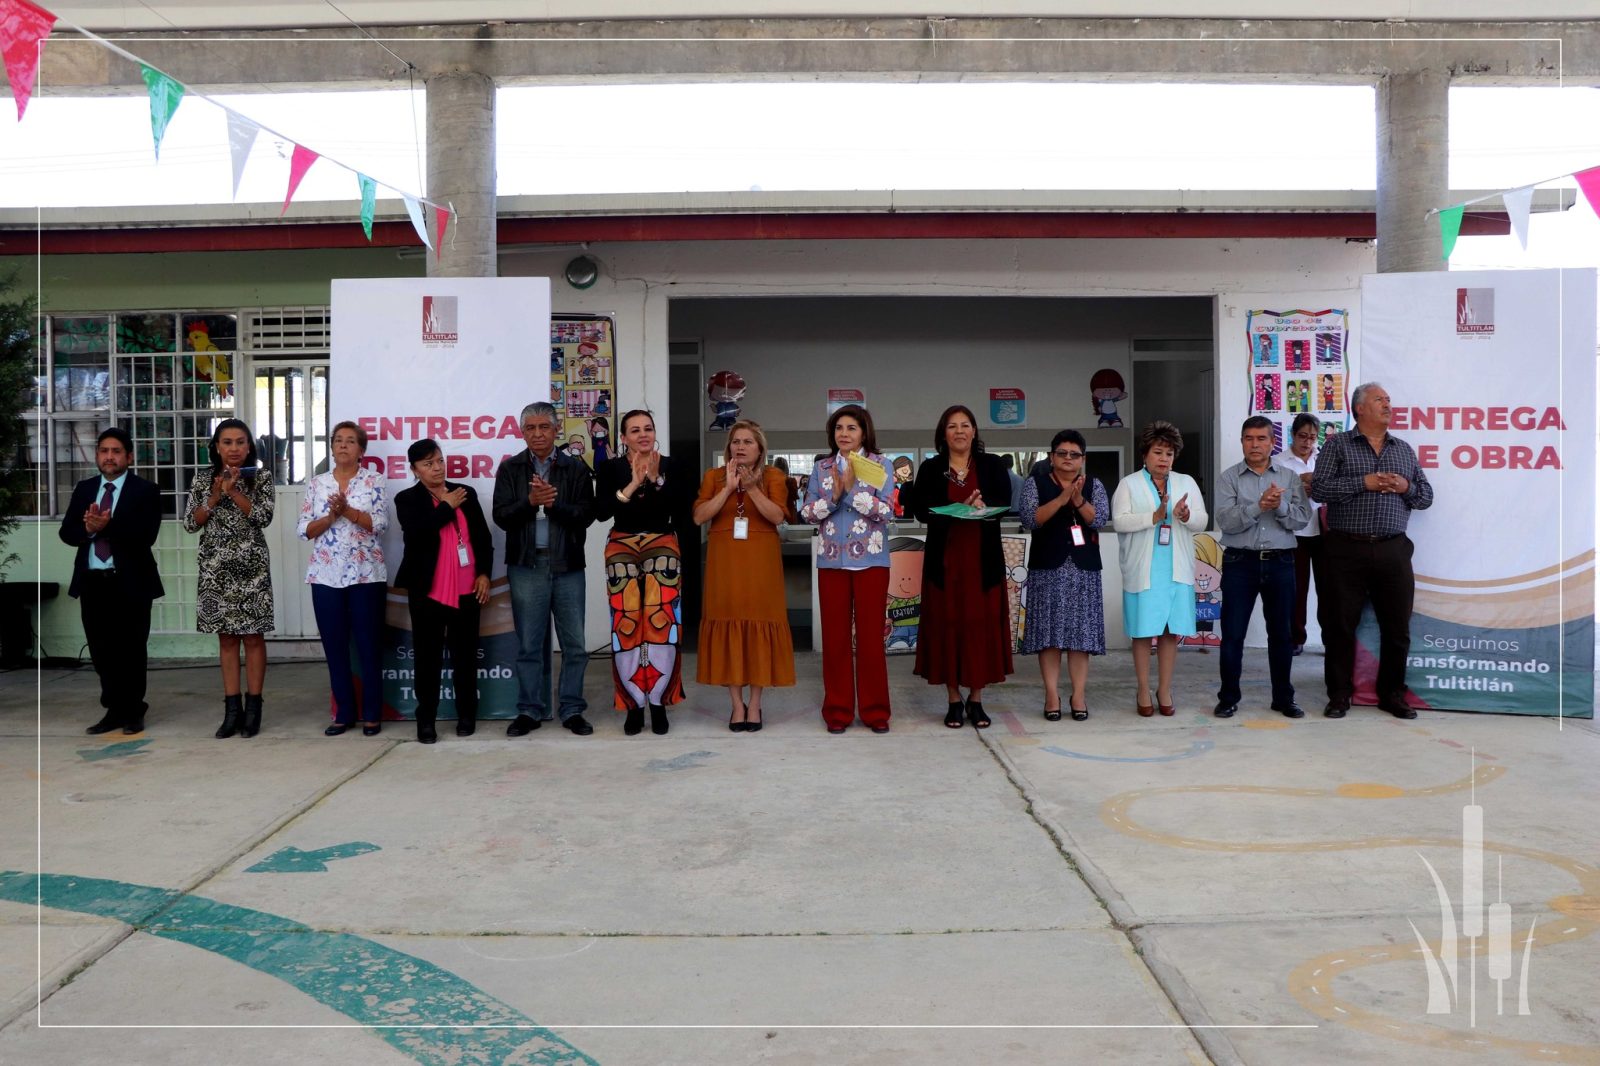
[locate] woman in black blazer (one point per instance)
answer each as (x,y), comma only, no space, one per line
(964,639)
(445,572)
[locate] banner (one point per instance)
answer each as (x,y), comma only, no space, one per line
(451,359)
(1491,375)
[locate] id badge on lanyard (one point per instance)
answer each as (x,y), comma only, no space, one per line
(1078,540)
(1164,534)
(461,553)
(741,524)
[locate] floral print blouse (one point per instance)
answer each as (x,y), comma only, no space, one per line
(346,554)
(854,532)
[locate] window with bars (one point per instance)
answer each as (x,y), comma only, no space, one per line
(165,376)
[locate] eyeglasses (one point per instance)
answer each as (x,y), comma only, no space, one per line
(1067,455)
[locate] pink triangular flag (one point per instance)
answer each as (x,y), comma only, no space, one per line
(414,209)
(1589,182)
(441,222)
(299,163)
(22,27)
(1519,204)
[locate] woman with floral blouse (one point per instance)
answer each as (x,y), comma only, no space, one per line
(344,515)
(852,516)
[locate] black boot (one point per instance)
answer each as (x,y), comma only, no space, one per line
(426,734)
(633,721)
(658,719)
(466,724)
(232,710)
(252,715)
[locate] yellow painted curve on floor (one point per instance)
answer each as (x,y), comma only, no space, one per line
(1311,983)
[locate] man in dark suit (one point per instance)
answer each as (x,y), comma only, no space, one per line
(113,521)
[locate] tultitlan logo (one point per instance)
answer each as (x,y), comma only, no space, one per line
(1474,312)
(1444,993)
(439,320)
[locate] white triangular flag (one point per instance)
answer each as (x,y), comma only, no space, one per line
(241,138)
(414,209)
(1519,202)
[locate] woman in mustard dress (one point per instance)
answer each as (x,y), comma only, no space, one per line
(744,625)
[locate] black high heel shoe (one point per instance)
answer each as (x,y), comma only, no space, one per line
(752,727)
(954,716)
(737,727)
(976,716)
(633,724)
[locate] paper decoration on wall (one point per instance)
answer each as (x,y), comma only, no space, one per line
(724,391)
(1008,408)
(904,608)
(1106,389)
(583,384)
(22,29)
(165,96)
(1296,366)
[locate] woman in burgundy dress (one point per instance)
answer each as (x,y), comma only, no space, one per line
(965,636)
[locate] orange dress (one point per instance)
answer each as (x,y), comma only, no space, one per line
(744,624)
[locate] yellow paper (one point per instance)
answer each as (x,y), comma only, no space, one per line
(868,471)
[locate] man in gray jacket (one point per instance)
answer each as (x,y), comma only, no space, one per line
(544,499)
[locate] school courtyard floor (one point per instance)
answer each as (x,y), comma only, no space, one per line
(1122,890)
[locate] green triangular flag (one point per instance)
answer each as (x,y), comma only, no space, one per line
(369,202)
(165,96)
(1450,228)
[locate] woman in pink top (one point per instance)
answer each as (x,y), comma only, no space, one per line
(445,571)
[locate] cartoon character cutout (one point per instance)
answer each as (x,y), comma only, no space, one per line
(724,390)
(210,364)
(904,614)
(1107,390)
(902,478)
(600,440)
(1207,592)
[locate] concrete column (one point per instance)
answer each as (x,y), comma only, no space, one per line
(1413,168)
(461,172)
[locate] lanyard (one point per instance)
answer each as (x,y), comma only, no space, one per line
(1167,518)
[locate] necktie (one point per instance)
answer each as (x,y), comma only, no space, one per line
(102,546)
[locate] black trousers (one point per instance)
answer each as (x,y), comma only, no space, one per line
(435,627)
(117,625)
(1307,572)
(1354,572)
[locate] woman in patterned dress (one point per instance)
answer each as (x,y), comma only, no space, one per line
(344,516)
(1064,508)
(229,505)
(650,497)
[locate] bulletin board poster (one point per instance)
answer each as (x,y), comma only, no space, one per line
(1297,366)
(583,384)
(903,617)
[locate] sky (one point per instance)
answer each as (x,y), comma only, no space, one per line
(819,136)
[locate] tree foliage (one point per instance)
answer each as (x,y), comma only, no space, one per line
(17,359)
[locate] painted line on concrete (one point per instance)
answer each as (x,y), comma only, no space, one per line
(1199,747)
(416,1007)
(113,751)
(291,860)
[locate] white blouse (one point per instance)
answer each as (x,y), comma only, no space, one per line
(346,554)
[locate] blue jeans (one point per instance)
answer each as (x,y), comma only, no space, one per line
(1244,576)
(355,610)
(537,595)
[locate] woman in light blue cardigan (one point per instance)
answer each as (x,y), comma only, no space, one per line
(1156,512)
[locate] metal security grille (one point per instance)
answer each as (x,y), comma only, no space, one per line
(288,329)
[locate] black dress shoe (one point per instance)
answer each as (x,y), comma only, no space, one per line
(522,725)
(1397,707)
(837,729)
(1336,709)
(465,727)
(371,729)
(578,724)
(426,734)
(111,721)
(135,724)
(1291,711)
(882,727)
(1226,710)
(337,729)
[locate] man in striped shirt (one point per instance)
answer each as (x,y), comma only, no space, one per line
(1370,482)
